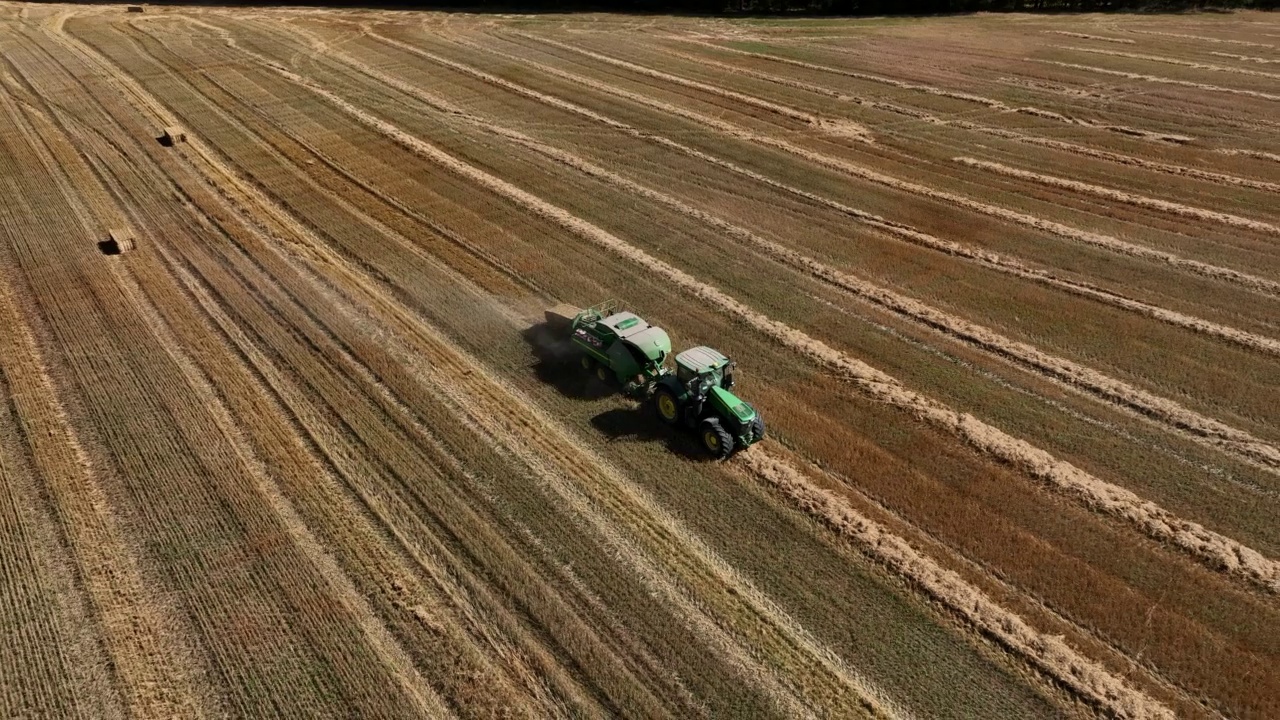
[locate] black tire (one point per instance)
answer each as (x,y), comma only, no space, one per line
(604,374)
(757,428)
(715,438)
(587,362)
(666,406)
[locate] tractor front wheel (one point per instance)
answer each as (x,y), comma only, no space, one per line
(715,438)
(667,406)
(757,428)
(604,374)
(587,362)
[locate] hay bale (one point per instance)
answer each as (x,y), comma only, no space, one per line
(118,242)
(172,135)
(134,8)
(123,238)
(560,318)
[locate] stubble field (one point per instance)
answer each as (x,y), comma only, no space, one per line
(1005,288)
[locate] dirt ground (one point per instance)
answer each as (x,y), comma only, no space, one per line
(282,431)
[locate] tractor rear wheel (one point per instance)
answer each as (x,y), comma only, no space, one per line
(715,438)
(603,373)
(587,362)
(667,406)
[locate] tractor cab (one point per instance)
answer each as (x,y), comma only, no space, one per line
(702,368)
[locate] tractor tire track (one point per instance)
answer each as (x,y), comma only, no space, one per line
(1124,197)
(991,103)
(1083,150)
(841,127)
(1086,36)
(1174,61)
(1159,80)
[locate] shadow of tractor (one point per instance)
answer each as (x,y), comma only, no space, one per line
(640,424)
(556,363)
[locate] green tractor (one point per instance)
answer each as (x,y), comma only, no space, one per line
(698,397)
(624,350)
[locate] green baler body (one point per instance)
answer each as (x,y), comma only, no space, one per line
(633,350)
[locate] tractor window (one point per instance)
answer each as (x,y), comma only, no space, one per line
(702,386)
(684,374)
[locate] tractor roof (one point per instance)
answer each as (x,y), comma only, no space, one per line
(701,359)
(625,324)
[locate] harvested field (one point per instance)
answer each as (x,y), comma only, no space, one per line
(283,431)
